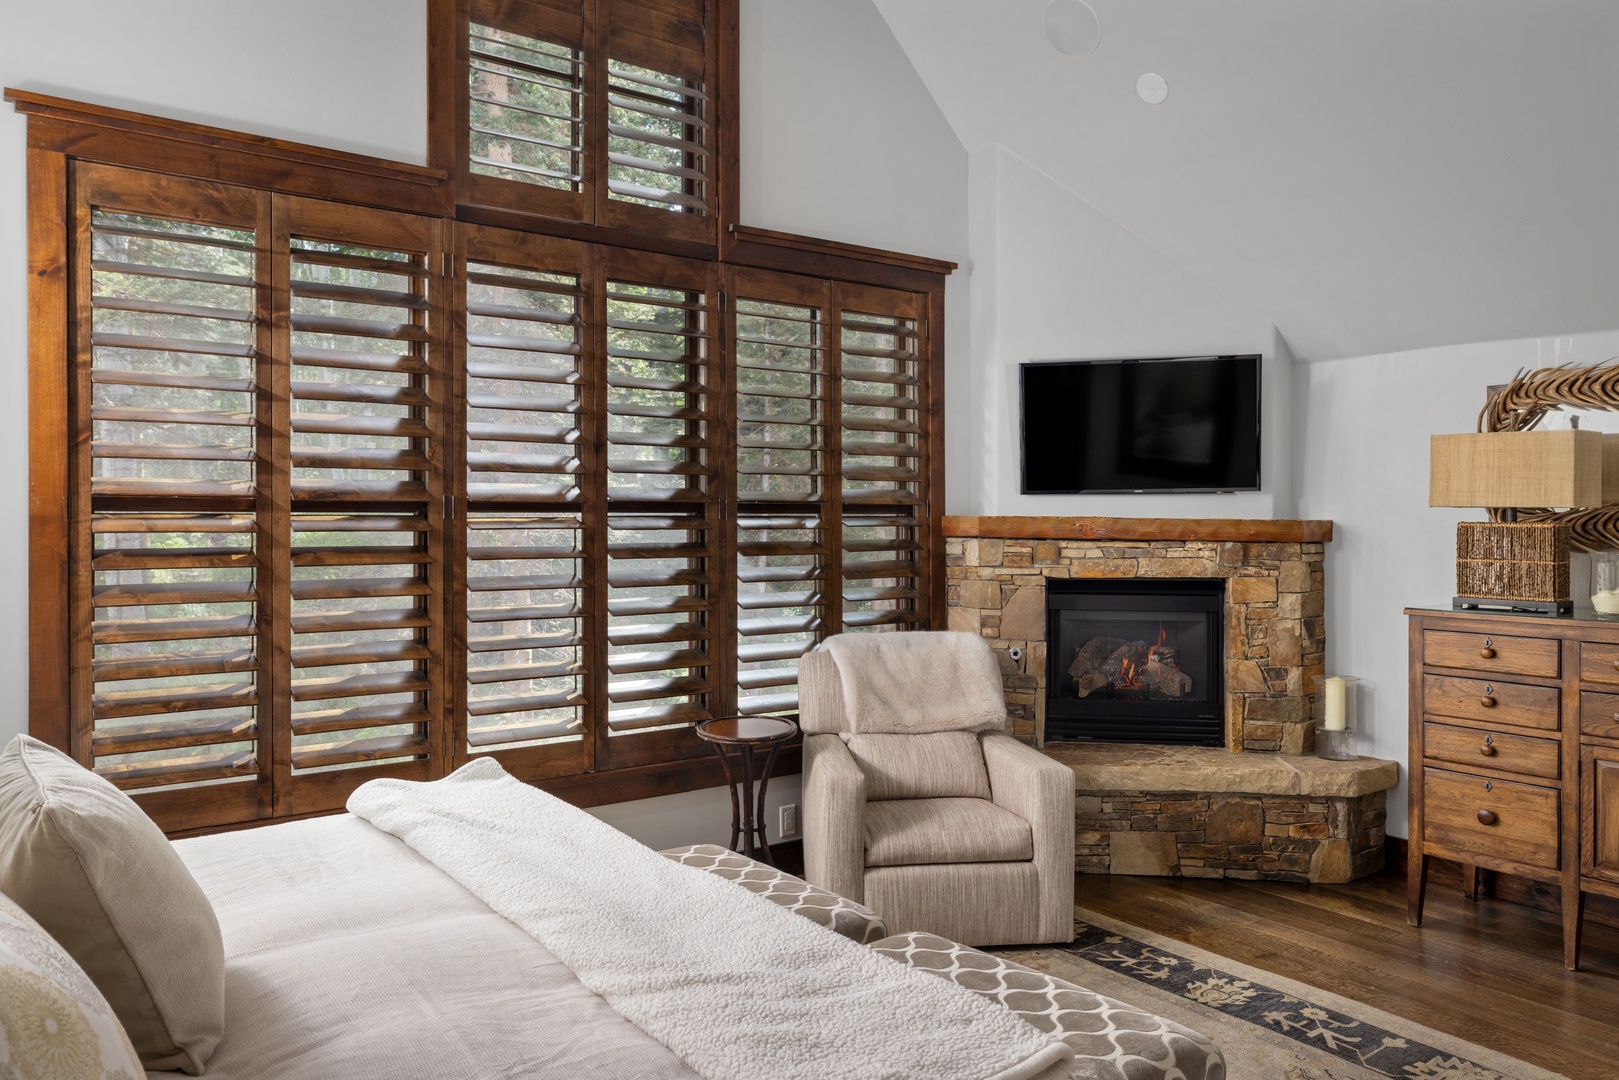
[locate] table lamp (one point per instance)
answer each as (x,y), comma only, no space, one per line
(1512,565)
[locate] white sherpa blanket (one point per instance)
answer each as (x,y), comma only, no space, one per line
(737,987)
(910,684)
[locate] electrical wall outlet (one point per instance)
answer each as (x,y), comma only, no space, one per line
(787,821)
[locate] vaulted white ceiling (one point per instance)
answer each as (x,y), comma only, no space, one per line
(1374,176)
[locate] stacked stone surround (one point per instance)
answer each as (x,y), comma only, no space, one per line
(1323,840)
(1275,630)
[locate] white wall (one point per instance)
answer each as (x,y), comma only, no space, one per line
(1055,279)
(840,140)
(1364,464)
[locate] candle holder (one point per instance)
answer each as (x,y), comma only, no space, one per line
(1336,707)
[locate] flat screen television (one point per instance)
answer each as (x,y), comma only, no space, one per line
(1176,424)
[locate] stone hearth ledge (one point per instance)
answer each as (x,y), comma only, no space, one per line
(1132,767)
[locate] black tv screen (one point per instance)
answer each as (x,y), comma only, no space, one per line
(1178,424)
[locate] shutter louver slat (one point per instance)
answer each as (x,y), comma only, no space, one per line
(359,429)
(780,418)
(172,357)
(657,139)
(657,402)
(658,588)
(526,97)
(525,680)
(523,376)
(174,637)
(361,606)
(880,367)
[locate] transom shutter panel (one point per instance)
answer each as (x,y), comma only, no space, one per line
(659,118)
(169,683)
(786,490)
(662,536)
(525,115)
(882,379)
(368,392)
(527,312)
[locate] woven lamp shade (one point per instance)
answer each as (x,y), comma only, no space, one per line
(1517,468)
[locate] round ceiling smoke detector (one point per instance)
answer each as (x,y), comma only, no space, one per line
(1152,88)
(1072,27)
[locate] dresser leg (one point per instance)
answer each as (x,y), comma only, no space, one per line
(1416,884)
(1469,882)
(1573,912)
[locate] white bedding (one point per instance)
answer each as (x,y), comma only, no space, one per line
(736,986)
(350,957)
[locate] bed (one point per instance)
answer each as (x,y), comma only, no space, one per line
(349,953)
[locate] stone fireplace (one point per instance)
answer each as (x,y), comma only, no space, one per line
(1274,632)
(1157,802)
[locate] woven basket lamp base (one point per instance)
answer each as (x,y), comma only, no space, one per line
(1511,566)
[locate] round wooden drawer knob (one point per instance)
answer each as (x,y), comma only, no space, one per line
(1487,749)
(1487,653)
(1486,817)
(1487,701)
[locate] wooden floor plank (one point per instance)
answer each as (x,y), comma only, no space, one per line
(1488,971)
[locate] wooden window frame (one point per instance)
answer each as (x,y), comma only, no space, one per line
(62,132)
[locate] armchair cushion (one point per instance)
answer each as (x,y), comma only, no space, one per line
(908,832)
(942,764)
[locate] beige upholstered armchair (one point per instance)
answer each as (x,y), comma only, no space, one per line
(915,802)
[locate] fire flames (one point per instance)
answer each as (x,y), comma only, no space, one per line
(1129,674)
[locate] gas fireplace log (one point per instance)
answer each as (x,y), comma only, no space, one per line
(1165,679)
(1104,662)
(1086,670)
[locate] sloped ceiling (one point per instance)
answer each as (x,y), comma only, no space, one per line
(1374,176)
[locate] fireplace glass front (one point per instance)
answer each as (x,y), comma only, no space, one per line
(1135,661)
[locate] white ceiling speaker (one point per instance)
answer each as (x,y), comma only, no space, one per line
(1152,88)
(1072,27)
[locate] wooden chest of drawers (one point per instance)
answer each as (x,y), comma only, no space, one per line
(1515,752)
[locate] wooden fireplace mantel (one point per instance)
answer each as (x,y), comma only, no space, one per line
(1236,530)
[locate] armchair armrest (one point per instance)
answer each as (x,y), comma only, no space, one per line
(1041,792)
(834,818)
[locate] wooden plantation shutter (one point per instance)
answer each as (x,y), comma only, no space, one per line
(522,129)
(521,611)
(883,389)
(602,112)
(369,397)
(659,116)
(168,519)
(787,503)
(662,505)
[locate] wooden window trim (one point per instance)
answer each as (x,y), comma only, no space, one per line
(61,132)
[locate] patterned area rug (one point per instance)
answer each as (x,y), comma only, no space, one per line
(1268,1027)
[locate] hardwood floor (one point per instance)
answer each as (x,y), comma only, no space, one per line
(1488,971)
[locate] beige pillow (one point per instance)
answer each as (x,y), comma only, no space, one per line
(937,765)
(56,1022)
(104,881)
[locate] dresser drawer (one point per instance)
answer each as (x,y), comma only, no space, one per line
(1491,653)
(1599,715)
(1493,750)
(1599,663)
(1494,702)
(1491,818)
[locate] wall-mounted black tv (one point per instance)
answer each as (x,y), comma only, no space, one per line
(1176,424)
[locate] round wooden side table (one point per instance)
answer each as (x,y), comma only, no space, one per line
(747,734)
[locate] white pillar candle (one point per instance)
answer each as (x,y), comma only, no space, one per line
(1334,705)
